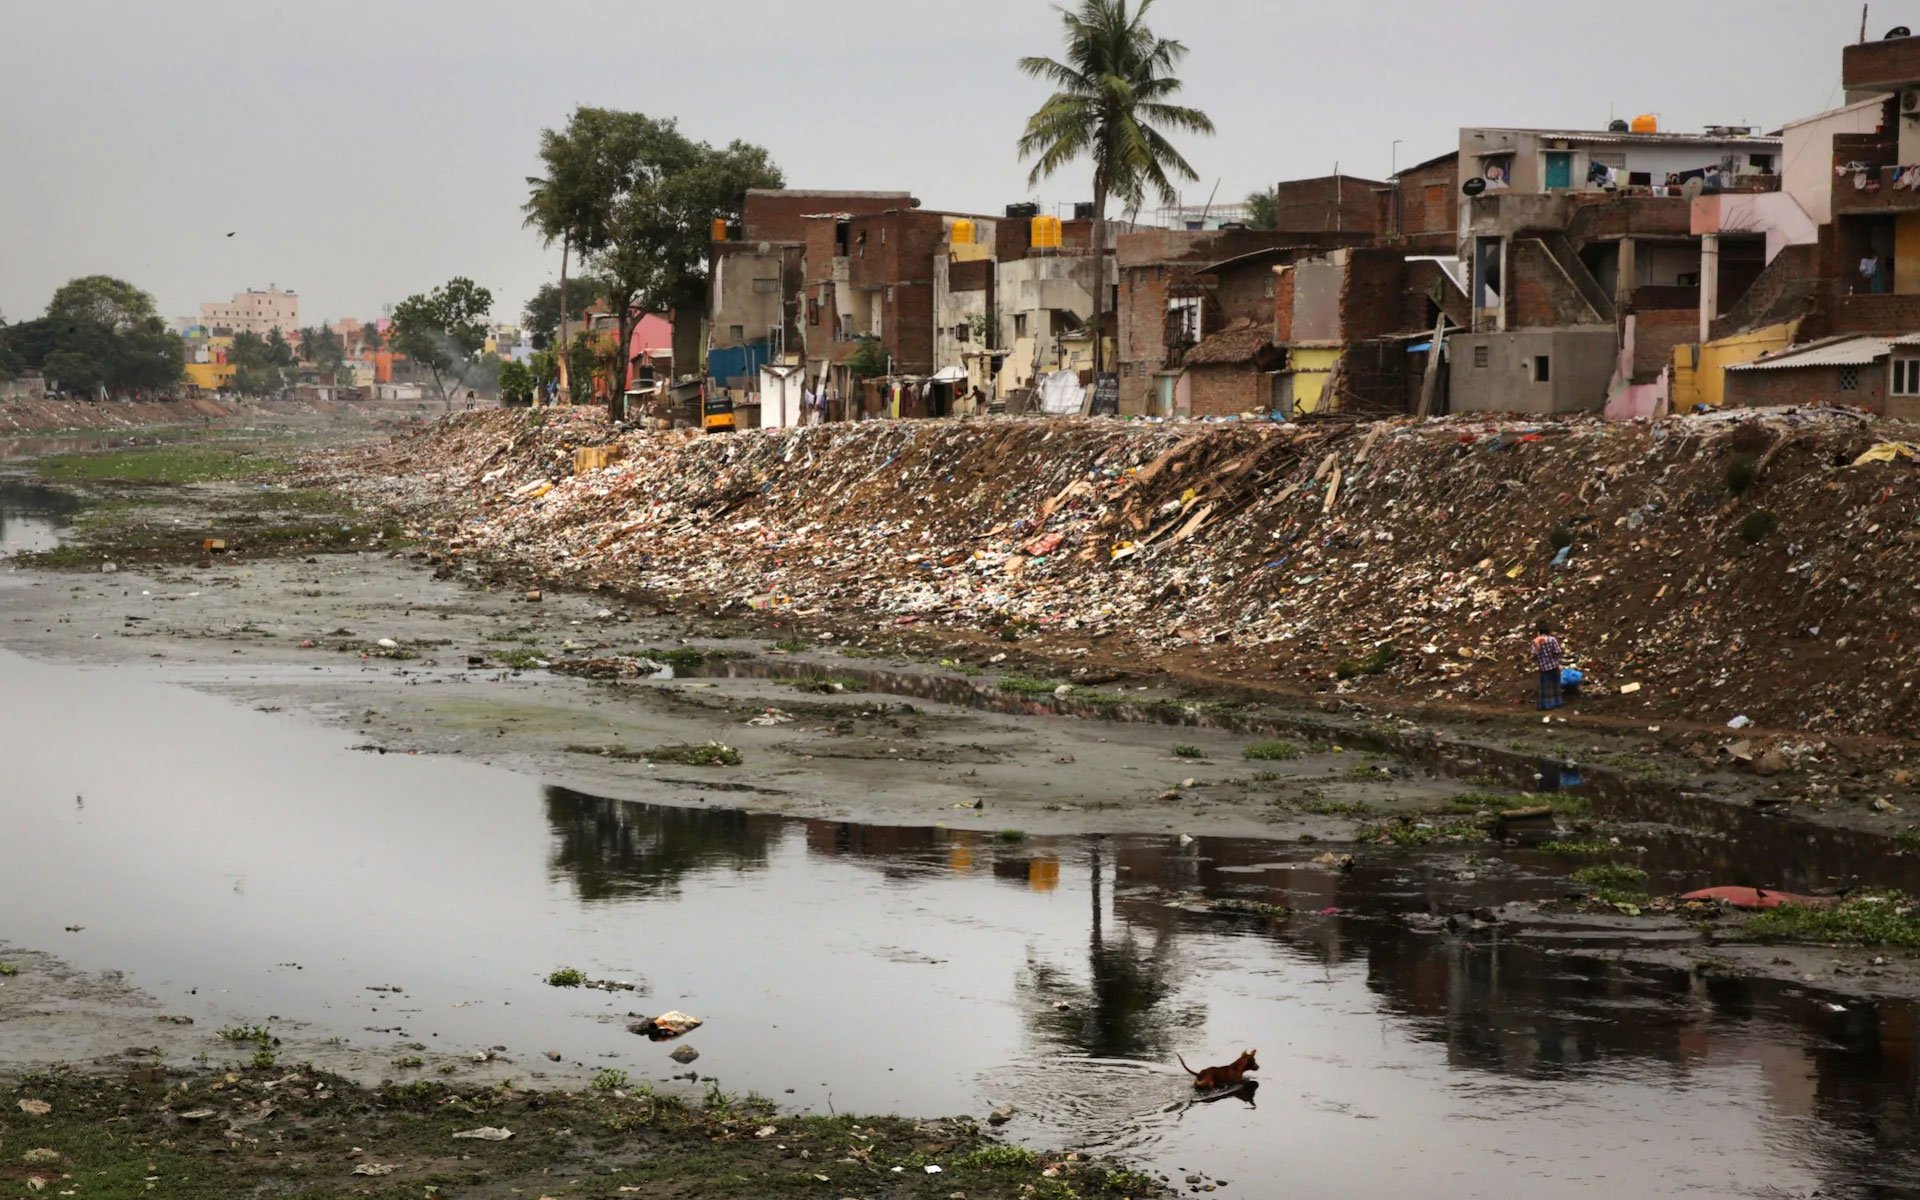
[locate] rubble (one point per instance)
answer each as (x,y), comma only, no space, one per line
(1264,552)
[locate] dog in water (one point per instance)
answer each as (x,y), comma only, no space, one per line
(1232,1075)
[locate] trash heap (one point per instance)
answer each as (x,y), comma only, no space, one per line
(1758,564)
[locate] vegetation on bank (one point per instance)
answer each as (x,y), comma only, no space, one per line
(169,1140)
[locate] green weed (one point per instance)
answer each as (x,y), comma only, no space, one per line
(1273,752)
(1582,849)
(567,977)
(1870,919)
(1373,664)
(7,970)
(1025,685)
(1188,752)
(1610,875)
(1012,835)
(612,1079)
(409,1062)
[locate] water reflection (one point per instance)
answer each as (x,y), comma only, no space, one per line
(611,850)
(31,516)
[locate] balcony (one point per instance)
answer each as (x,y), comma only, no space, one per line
(1879,196)
(1884,66)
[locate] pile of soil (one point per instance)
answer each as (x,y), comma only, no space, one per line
(1699,569)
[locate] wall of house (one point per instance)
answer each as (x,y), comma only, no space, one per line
(1654,157)
(1808,154)
(1332,203)
(1539,292)
(962,292)
(745,290)
(1700,378)
(1317,288)
(1227,390)
(1652,336)
(1428,201)
(780,216)
(1311,368)
(1581,363)
(1371,294)
(1810,385)
(1031,291)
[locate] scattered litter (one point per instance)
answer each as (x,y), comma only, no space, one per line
(666,1026)
(1754,898)
(35,1108)
(1739,723)
(378,1169)
(486,1133)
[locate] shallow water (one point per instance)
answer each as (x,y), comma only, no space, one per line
(31,517)
(240,865)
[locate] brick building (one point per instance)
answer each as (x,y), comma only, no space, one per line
(1879,374)
(756,275)
(1232,371)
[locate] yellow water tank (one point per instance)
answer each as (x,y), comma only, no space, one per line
(719,229)
(1046,233)
(1646,123)
(962,232)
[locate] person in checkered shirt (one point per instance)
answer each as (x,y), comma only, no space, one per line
(1548,658)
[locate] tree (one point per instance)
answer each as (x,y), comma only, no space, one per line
(1111,104)
(100,333)
(324,348)
(542,316)
(256,372)
(516,381)
(102,300)
(636,199)
(370,336)
(868,360)
(1263,211)
(443,330)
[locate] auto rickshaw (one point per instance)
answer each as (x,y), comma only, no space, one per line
(716,413)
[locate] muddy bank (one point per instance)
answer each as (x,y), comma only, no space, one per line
(23,417)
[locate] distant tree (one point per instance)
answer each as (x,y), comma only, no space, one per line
(516,381)
(370,336)
(443,330)
(868,360)
(103,300)
(255,369)
(1110,104)
(324,348)
(542,314)
(1263,210)
(99,334)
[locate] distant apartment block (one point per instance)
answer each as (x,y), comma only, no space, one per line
(253,311)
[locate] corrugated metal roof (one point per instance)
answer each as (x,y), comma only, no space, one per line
(1835,352)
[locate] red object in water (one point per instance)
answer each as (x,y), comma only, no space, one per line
(1329,912)
(1746,897)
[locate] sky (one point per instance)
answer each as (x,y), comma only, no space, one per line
(363,150)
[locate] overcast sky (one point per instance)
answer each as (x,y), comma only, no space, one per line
(364,149)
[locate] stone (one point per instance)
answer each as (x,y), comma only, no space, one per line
(684,1055)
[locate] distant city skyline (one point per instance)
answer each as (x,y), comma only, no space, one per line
(383,150)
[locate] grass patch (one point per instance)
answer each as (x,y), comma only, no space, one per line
(520,660)
(1871,919)
(1412,832)
(8,970)
(1026,685)
(611,1079)
(1611,875)
(1273,752)
(1373,664)
(1250,908)
(409,1062)
(791,645)
(1188,752)
(1011,835)
(164,464)
(245,1033)
(686,658)
(1741,473)
(1582,849)
(567,977)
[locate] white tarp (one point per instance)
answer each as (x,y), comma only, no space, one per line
(1061,394)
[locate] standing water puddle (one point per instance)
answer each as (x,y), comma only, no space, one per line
(239,865)
(31,517)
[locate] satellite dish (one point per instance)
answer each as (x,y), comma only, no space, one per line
(1898,31)
(1474,186)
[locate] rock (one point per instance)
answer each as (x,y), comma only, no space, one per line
(1772,763)
(1000,1116)
(1189,783)
(684,1055)
(553,1056)
(108,568)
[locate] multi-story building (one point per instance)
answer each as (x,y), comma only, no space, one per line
(254,311)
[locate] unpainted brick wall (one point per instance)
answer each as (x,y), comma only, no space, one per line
(1656,331)
(1283,307)
(1223,391)
(781,217)
(1430,206)
(1876,314)
(1333,203)
(1542,296)
(1379,376)
(1370,295)
(1812,385)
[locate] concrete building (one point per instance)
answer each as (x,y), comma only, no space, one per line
(1879,374)
(254,311)
(757,275)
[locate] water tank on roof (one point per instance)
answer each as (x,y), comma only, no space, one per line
(719,229)
(1083,210)
(1646,123)
(962,232)
(1618,127)
(1046,233)
(1026,209)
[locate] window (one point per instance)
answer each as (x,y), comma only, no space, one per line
(1480,356)
(1762,163)
(1849,379)
(766,287)
(1542,369)
(1906,376)
(1019,325)
(737,332)
(963,333)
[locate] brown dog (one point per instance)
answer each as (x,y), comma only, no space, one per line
(1232,1075)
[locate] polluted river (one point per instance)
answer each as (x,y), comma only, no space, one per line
(215,816)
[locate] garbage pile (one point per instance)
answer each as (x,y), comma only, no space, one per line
(1756,564)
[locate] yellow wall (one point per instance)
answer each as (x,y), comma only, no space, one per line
(1906,254)
(1311,369)
(209,377)
(1708,383)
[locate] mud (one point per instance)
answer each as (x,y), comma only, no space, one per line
(932,890)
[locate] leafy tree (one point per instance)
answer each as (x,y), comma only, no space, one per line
(637,198)
(1110,105)
(256,371)
(100,333)
(1263,210)
(370,336)
(443,330)
(868,360)
(101,300)
(542,314)
(516,380)
(324,348)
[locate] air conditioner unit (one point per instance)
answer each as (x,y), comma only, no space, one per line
(1910,102)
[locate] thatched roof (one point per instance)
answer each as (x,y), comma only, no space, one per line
(1240,342)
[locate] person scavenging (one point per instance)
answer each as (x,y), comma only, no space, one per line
(1548,659)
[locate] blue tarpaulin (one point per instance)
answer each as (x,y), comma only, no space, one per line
(738,366)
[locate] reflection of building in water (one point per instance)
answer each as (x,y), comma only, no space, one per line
(618,849)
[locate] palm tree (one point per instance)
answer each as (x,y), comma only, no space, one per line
(543,213)
(1111,105)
